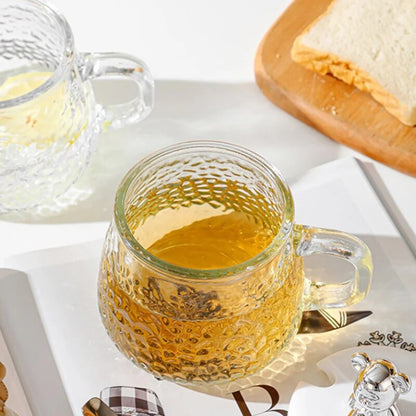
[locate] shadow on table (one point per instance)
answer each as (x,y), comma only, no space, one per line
(236,113)
(29,346)
(406,407)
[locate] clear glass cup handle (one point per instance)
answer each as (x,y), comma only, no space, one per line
(97,65)
(320,295)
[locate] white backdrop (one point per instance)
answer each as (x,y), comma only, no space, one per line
(202,57)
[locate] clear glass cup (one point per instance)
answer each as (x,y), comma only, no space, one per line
(49,118)
(209,325)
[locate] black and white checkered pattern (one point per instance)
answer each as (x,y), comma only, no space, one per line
(132,401)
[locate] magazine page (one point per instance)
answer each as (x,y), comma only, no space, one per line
(60,285)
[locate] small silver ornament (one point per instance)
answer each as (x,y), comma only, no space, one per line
(377,387)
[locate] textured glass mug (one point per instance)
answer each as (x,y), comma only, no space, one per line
(208,326)
(49,119)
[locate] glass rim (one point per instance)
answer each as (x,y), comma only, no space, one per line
(65,58)
(203,274)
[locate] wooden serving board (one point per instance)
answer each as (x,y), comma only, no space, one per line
(338,110)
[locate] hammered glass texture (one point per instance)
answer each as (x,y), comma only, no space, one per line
(45,142)
(28,38)
(200,330)
(195,180)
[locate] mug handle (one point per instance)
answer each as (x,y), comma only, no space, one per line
(320,295)
(97,65)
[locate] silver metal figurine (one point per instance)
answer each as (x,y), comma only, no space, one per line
(377,387)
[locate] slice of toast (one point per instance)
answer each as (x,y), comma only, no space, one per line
(369,44)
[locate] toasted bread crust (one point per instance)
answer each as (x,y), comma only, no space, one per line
(325,63)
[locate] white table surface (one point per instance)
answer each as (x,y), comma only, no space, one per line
(202,57)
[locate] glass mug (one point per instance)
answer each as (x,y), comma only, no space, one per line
(49,119)
(201,278)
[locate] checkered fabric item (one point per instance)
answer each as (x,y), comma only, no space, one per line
(132,401)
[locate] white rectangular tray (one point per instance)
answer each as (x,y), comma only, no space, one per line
(50,319)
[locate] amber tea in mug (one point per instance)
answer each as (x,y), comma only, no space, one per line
(202,275)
